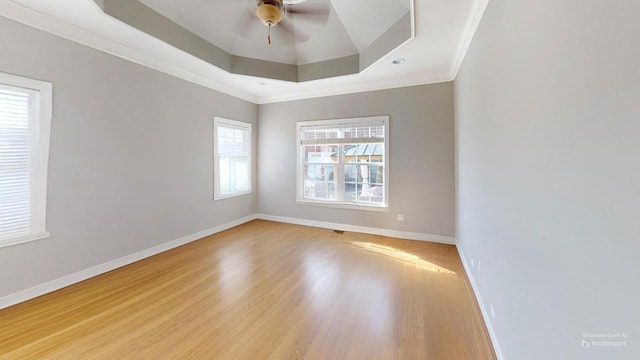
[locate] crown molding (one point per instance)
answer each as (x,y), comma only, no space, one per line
(355,88)
(36,19)
(473,21)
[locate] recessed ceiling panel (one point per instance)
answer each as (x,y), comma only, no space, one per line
(217,21)
(308,33)
(366,21)
(322,41)
(232,26)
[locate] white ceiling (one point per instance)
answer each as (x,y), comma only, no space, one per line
(443,31)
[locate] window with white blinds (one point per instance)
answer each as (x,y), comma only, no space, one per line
(25,115)
(344,163)
(232,158)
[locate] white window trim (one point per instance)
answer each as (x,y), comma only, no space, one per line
(216,180)
(337,204)
(43,110)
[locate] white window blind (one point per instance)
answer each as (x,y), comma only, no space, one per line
(343,163)
(15,197)
(232,158)
(25,111)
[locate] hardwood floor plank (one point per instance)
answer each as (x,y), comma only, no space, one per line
(262,290)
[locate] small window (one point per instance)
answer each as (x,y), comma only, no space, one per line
(344,163)
(231,158)
(25,120)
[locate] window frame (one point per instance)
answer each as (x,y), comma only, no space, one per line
(245,126)
(339,173)
(40,113)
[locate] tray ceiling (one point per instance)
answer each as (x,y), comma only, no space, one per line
(231,25)
(443,31)
(316,45)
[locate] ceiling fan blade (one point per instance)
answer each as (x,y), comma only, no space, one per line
(317,12)
(298,35)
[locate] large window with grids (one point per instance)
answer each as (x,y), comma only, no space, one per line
(344,163)
(25,120)
(231,158)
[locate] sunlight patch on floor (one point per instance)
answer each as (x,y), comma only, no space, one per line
(403,256)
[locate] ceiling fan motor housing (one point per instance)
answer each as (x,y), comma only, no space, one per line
(270,12)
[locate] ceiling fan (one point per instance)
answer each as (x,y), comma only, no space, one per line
(274,13)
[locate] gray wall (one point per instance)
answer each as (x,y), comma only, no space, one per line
(130,160)
(421,157)
(547,116)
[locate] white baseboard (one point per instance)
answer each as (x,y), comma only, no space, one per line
(483,308)
(76,277)
(361,229)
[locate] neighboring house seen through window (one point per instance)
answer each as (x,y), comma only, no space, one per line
(25,120)
(231,158)
(344,162)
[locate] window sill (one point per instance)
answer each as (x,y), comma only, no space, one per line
(222,197)
(23,239)
(348,206)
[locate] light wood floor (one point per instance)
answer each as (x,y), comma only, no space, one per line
(262,290)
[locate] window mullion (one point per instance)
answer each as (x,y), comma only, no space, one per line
(340,186)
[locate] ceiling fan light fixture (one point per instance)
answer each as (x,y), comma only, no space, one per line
(270,12)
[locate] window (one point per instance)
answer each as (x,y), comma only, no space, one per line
(231,158)
(344,163)
(25,120)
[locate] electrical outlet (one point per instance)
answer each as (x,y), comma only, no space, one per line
(493,313)
(478,264)
(400,217)
(473,263)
